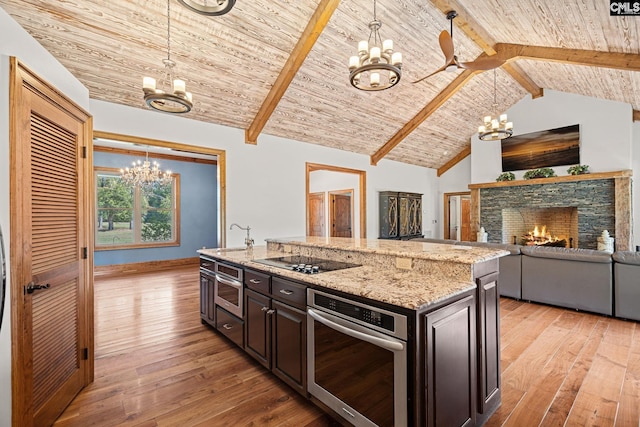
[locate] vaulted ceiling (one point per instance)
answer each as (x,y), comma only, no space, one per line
(280,67)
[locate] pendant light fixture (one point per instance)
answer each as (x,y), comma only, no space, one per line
(145,174)
(376,66)
(495,128)
(208,7)
(171,96)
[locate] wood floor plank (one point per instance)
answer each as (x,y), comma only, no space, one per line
(158,365)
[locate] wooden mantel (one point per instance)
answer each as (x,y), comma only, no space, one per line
(623,200)
(555,179)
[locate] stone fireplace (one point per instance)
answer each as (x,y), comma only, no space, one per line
(577,208)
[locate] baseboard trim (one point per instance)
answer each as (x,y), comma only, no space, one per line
(143,267)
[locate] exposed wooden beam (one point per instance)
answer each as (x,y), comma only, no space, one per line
(594,58)
(636,115)
(423,114)
(523,78)
(314,28)
(466,151)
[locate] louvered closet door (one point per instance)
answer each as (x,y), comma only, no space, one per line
(54,304)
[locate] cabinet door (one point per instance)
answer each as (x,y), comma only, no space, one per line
(489,348)
(257,327)
(211,308)
(204,292)
(388,211)
(450,365)
(289,327)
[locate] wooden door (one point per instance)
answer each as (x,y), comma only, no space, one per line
(315,225)
(341,214)
(465,219)
(52,342)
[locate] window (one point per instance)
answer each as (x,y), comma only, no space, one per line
(134,217)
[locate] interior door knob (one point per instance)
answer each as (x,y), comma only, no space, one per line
(32,287)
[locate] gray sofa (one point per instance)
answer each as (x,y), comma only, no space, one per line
(626,278)
(572,278)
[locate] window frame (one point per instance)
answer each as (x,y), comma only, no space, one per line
(137,214)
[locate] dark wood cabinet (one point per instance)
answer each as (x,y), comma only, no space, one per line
(450,364)
(207,309)
(276,327)
(229,325)
(400,215)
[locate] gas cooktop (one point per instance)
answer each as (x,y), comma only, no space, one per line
(305,264)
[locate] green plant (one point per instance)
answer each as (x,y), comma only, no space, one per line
(539,173)
(578,169)
(506,176)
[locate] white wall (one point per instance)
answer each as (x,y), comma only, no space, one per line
(455,180)
(266,182)
(605,133)
(14,41)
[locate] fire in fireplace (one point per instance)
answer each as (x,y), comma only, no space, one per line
(539,236)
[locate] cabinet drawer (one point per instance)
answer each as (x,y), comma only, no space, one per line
(290,292)
(230,326)
(257,281)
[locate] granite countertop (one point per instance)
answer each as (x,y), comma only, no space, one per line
(404,288)
(399,248)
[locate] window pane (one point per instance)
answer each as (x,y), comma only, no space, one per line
(115,211)
(157,215)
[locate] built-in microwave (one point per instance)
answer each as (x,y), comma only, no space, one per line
(228,288)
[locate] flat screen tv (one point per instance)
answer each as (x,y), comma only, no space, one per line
(547,148)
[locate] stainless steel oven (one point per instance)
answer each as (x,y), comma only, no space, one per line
(357,360)
(228,292)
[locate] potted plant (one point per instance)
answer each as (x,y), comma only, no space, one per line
(506,176)
(578,169)
(539,173)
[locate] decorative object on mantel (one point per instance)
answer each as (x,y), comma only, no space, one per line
(605,242)
(172,97)
(208,8)
(145,174)
(506,176)
(482,236)
(377,66)
(539,173)
(495,128)
(578,169)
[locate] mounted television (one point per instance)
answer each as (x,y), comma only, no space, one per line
(553,147)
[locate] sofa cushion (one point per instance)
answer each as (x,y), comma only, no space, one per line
(568,254)
(627,257)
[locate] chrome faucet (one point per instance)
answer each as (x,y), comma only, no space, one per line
(248,241)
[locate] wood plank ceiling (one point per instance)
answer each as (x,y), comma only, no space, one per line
(258,68)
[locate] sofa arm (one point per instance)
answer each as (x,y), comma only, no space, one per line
(627,257)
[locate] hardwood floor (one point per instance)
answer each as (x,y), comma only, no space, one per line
(157,365)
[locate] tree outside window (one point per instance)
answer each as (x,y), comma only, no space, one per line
(129,217)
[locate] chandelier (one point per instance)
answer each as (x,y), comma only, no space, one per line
(497,128)
(145,174)
(209,8)
(172,96)
(377,66)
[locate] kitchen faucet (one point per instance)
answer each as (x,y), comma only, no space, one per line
(247,240)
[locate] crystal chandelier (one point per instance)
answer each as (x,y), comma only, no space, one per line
(209,7)
(145,174)
(172,97)
(377,66)
(497,128)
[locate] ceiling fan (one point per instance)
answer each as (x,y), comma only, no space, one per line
(451,60)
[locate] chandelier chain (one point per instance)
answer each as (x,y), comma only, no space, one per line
(169,30)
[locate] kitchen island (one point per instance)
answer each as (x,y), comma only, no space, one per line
(435,307)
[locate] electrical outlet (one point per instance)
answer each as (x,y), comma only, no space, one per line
(404,263)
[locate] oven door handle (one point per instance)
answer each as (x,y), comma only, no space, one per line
(233,283)
(380,342)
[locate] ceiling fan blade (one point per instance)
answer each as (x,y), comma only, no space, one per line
(488,63)
(435,72)
(446,44)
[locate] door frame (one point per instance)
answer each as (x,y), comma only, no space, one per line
(311,167)
(22,78)
(222,169)
(445,217)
